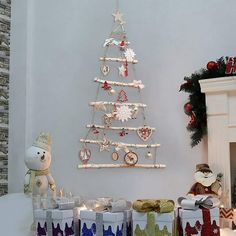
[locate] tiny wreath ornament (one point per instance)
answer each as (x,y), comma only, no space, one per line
(195,107)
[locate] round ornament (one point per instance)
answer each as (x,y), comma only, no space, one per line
(131,158)
(211,65)
(105,69)
(187,108)
(149,155)
(115,156)
(85,155)
(111,91)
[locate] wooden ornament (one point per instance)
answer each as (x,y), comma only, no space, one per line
(105,145)
(105,70)
(85,155)
(131,158)
(144,133)
(122,96)
(115,156)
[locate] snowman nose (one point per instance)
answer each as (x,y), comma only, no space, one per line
(42,158)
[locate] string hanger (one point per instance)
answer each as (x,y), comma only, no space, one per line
(117,5)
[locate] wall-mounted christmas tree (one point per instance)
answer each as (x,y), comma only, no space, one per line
(109,132)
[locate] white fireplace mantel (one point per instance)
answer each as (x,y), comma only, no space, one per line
(221,123)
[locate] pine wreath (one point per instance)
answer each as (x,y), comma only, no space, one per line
(196,106)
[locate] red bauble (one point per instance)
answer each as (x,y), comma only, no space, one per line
(211,65)
(187,108)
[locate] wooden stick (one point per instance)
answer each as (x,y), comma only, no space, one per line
(115,83)
(118,60)
(119,144)
(118,103)
(138,166)
(117,128)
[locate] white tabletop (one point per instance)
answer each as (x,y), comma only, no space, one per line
(15,215)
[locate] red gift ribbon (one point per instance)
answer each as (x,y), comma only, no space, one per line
(207,229)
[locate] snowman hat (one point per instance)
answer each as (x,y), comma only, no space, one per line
(203,168)
(44,141)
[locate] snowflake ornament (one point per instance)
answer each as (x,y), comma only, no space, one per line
(129,54)
(123,113)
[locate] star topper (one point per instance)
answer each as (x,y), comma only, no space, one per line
(118,16)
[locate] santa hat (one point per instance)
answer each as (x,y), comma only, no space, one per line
(203,168)
(44,141)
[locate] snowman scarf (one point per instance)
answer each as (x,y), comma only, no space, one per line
(33,174)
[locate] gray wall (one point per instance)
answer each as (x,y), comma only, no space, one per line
(55,58)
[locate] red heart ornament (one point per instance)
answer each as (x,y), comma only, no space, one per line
(144,133)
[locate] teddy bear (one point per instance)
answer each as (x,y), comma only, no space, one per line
(207,183)
(38,178)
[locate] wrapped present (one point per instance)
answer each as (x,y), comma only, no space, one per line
(152,223)
(198,222)
(227,217)
(54,222)
(105,223)
(157,205)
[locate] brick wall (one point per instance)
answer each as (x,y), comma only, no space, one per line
(5,14)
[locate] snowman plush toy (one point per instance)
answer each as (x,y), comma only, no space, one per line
(38,178)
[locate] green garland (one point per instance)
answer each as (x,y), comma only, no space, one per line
(196,105)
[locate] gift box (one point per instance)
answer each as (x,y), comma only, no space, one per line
(55,222)
(106,223)
(227,218)
(198,222)
(152,223)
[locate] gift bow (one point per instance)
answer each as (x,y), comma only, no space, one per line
(157,205)
(198,201)
(107,204)
(138,83)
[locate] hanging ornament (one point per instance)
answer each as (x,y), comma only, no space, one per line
(110,42)
(144,133)
(123,113)
(122,96)
(135,112)
(118,17)
(131,158)
(149,155)
(193,120)
(94,130)
(106,86)
(111,91)
(108,118)
(187,108)
(105,145)
(211,65)
(122,45)
(123,70)
(230,65)
(138,84)
(129,54)
(105,69)
(84,154)
(115,156)
(123,133)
